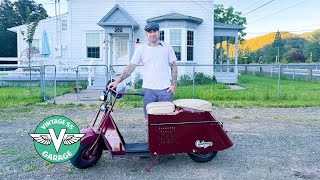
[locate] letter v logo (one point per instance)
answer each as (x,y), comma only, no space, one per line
(57,142)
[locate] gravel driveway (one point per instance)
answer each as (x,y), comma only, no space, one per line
(269,143)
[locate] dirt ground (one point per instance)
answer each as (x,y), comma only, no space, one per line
(269,143)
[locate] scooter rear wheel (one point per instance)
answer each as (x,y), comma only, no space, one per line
(202,157)
(83,160)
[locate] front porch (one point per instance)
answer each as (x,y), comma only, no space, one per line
(225,64)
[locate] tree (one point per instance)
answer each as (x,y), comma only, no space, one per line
(30,11)
(15,14)
(8,18)
(313,48)
(230,16)
(279,44)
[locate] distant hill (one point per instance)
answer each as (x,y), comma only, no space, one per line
(308,36)
(260,41)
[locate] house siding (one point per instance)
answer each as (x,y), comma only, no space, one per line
(85,16)
(49,25)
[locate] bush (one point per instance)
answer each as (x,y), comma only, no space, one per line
(201,78)
(185,80)
(138,84)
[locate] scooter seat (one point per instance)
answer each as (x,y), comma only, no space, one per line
(197,104)
(160,107)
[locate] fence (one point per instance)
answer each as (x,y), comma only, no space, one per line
(45,79)
(194,75)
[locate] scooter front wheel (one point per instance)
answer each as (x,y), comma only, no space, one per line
(202,157)
(84,159)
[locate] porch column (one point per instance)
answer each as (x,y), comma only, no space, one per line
(236,56)
(111,50)
(106,43)
(228,52)
(221,54)
(214,57)
(130,46)
(106,49)
(131,49)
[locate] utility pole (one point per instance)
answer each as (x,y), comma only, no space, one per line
(277,43)
(278,55)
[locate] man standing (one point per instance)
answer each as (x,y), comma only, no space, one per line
(155,57)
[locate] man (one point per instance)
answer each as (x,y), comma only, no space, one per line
(155,57)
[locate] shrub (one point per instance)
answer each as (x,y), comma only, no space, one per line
(138,84)
(185,80)
(201,78)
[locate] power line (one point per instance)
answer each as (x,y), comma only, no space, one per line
(278,12)
(250,6)
(259,7)
(203,7)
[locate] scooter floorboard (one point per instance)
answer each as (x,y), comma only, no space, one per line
(137,149)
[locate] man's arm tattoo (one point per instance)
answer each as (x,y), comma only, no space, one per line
(174,73)
(127,71)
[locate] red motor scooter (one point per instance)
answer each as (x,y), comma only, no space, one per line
(181,126)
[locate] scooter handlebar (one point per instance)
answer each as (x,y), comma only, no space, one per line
(123,93)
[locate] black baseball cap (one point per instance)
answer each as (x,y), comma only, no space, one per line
(151,26)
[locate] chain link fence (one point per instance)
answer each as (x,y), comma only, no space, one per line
(276,80)
(192,77)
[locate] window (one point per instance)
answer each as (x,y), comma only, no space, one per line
(93,45)
(175,42)
(190,44)
(183,42)
(64,24)
(161,36)
(121,48)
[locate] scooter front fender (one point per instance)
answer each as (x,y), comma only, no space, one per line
(89,136)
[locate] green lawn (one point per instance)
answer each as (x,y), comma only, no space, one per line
(259,91)
(21,96)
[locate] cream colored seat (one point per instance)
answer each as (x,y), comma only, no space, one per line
(160,107)
(194,104)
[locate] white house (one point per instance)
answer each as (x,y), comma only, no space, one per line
(100,32)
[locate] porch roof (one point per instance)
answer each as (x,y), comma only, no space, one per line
(176,16)
(117,17)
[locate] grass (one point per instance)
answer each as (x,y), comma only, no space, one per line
(21,96)
(259,92)
(8,152)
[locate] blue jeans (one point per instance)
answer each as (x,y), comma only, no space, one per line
(151,95)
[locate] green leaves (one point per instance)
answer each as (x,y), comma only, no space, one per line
(15,14)
(230,16)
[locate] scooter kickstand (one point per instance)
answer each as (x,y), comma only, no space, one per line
(153,163)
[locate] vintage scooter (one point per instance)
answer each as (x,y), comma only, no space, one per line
(181,126)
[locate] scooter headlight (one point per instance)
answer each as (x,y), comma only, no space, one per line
(103,95)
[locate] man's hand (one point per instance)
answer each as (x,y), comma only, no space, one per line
(114,84)
(172,88)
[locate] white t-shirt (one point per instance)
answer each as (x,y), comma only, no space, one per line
(155,60)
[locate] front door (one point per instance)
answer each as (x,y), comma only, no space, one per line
(121,50)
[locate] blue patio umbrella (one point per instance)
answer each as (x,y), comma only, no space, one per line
(45,48)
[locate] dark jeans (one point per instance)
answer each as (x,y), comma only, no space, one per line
(151,95)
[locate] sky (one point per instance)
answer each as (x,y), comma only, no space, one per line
(295,16)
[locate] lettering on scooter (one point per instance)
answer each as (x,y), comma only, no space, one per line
(203,144)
